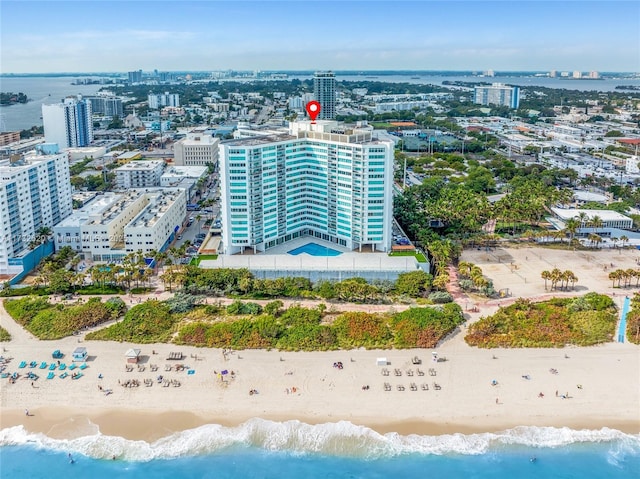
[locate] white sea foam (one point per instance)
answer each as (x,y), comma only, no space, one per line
(341,438)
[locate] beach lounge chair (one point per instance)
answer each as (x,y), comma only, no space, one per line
(51,375)
(62,367)
(72,366)
(420,372)
(413,387)
(387,387)
(23,364)
(33,364)
(78,376)
(409,372)
(400,387)
(83,366)
(52,367)
(64,375)
(437,387)
(191,371)
(43,365)
(425,387)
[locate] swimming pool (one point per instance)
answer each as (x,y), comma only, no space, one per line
(315,250)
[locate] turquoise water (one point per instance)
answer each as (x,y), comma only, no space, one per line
(622,331)
(265,449)
(315,250)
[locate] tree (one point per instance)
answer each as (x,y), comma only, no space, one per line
(546,275)
(413,283)
(572,225)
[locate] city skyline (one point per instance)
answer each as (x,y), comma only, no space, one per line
(98,36)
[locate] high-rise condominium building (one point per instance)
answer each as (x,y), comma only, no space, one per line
(107,106)
(323,180)
(163,99)
(35,192)
(199,148)
(324,91)
(68,123)
(497,94)
(135,76)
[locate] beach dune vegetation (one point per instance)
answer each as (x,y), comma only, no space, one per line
(582,321)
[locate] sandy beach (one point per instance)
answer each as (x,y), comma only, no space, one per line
(600,384)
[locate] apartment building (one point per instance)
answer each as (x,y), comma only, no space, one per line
(8,137)
(159,100)
(139,174)
(199,148)
(68,123)
(323,180)
(324,92)
(116,224)
(35,193)
(497,94)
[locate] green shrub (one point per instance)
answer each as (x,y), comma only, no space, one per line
(4,334)
(148,322)
(440,297)
(48,321)
(360,329)
(583,321)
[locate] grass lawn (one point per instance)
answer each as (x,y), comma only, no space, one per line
(380,125)
(419,256)
(196,261)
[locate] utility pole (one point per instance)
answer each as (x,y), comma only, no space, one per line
(404,178)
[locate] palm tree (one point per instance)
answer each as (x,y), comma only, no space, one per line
(572,225)
(613,276)
(556,275)
(596,223)
(583,218)
(546,275)
(624,239)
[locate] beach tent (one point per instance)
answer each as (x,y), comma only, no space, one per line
(381,362)
(132,355)
(80,354)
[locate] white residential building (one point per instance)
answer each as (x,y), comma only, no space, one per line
(113,225)
(35,193)
(156,225)
(199,148)
(139,174)
(68,123)
(175,174)
(163,99)
(323,180)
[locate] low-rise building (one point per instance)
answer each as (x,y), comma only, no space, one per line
(199,148)
(139,174)
(609,218)
(115,224)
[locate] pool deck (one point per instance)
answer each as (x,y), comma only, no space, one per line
(278,259)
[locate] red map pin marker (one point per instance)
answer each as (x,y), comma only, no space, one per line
(313,109)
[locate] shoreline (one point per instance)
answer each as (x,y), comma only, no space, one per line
(150,426)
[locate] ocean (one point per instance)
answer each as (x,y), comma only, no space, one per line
(293,450)
(53,89)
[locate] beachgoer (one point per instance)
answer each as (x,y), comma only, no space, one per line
(26,412)
(541,395)
(497,401)
(556,393)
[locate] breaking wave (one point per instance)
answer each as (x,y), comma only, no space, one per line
(338,439)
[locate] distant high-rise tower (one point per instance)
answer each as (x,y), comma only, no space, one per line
(135,77)
(68,123)
(497,94)
(324,91)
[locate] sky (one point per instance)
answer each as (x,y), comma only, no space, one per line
(171,35)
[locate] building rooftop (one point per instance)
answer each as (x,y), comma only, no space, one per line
(94,207)
(158,205)
(605,215)
(144,165)
(115,208)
